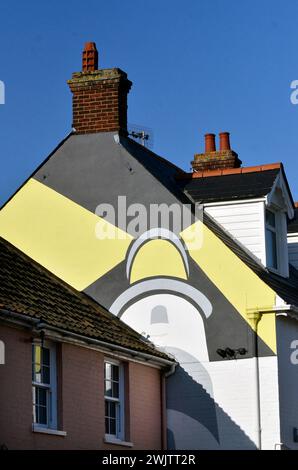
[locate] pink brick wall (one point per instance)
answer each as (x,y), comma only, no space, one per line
(145,414)
(82,406)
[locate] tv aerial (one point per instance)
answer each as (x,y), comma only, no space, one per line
(141,134)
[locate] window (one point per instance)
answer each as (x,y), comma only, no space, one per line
(114,400)
(44,385)
(271,240)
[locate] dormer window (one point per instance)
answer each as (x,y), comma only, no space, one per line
(271,240)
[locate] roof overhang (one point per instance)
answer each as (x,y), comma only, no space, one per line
(280,196)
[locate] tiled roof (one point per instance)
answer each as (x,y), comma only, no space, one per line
(229,186)
(29,289)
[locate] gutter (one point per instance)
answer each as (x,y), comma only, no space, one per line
(282,309)
(164,426)
(171,370)
(37,325)
(18,318)
(112,347)
(254,318)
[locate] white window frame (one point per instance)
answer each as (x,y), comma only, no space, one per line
(51,388)
(120,408)
(281,240)
(274,230)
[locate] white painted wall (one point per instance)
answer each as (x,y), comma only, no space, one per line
(229,390)
(233,388)
(287,333)
(245,221)
(269,395)
(293,249)
(231,384)
(210,404)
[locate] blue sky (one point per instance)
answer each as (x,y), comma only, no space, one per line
(197,66)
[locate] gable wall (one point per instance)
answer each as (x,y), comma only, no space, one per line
(92,170)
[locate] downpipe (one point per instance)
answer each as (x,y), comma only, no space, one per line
(254,318)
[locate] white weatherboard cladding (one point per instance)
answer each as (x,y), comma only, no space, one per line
(245,222)
(293,249)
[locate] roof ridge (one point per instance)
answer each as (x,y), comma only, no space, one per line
(155,155)
(231,171)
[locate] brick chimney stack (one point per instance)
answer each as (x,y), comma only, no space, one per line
(214,159)
(99,96)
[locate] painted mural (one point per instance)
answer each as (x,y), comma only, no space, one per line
(188,299)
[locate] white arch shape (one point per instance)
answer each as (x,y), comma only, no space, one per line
(153,234)
(162,284)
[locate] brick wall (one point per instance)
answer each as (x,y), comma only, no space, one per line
(81,409)
(100,101)
(16,390)
(145,415)
(215,160)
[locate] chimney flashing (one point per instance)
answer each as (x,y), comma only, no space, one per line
(101,74)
